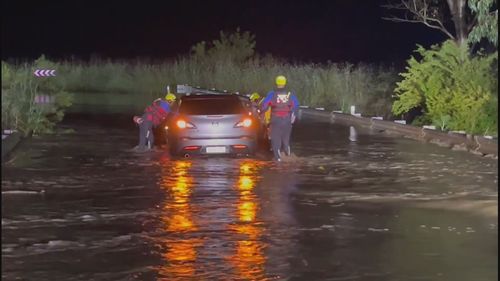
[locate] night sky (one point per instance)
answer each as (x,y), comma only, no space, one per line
(317,31)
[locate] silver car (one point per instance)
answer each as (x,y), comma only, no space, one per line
(213,124)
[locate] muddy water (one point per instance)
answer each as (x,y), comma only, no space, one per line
(81,207)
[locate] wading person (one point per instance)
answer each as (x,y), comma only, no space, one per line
(284,106)
(264,118)
(152,117)
(255,99)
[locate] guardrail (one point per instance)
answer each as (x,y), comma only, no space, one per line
(480,145)
(190,90)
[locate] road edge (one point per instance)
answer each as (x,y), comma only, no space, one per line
(9,143)
(478,145)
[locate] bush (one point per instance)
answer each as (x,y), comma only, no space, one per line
(456,90)
(19,89)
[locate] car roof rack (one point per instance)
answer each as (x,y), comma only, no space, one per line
(200,91)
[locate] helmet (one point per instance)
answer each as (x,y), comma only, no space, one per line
(254,96)
(170,97)
(281,80)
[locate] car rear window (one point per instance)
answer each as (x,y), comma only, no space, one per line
(211,106)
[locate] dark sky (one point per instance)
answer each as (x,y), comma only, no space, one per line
(336,30)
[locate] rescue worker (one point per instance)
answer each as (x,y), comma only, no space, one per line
(152,117)
(266,117)
(255,99)
(284,107)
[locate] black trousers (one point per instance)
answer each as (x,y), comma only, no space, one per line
(146,132)
(281,129)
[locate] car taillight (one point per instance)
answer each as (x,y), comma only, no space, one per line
(247,122)
(183,124)
(193,147)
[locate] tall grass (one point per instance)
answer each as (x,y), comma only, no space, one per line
(335,86)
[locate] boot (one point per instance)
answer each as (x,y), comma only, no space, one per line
(288,152)
(139,149)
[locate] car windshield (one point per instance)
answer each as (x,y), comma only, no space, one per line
(211,106)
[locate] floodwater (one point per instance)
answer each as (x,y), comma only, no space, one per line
(80,206)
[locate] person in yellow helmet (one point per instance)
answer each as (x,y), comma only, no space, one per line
(265,117)
(255,97)
(255,100)
(154,115)
(284,107)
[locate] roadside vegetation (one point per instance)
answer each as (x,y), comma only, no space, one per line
(457,91)
(336,86)
(21,96)
(228,63)
(454,83)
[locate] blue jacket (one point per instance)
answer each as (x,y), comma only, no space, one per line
(165,106)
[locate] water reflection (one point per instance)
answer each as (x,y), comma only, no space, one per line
(183,252)
(249,259)
(179,208)
(180,255)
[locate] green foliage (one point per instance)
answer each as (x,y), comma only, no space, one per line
(421,121)
(456,90)
(236,47)
(19,89)
(487,21)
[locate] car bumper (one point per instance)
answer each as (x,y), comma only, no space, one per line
(239,145)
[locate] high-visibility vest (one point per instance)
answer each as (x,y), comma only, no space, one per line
(281,103)
(155,113)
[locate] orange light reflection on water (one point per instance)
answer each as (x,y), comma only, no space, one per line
(249,259)
(180,255)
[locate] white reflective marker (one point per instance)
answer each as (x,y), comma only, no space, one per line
(353,135)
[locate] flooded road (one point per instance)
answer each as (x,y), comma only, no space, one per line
(81,206)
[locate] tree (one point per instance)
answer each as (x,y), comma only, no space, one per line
(456,90)
(236,47)
(464,21)
(487,19)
